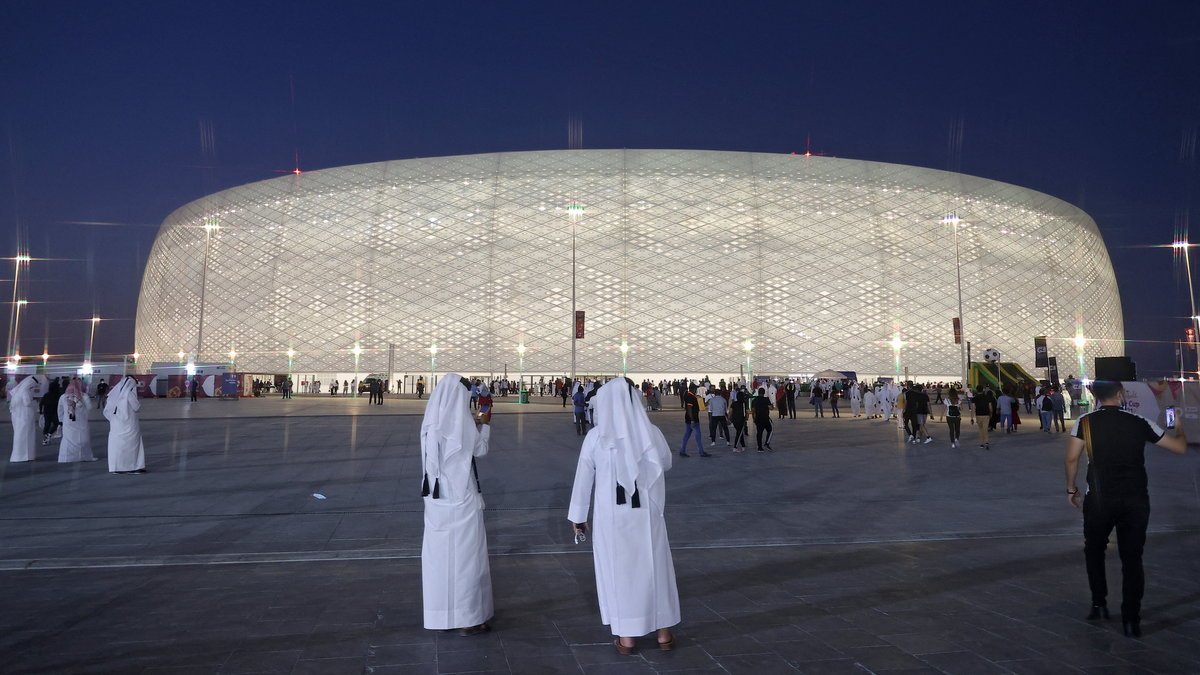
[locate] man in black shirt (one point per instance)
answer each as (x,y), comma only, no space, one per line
(1116,497)
(760,407)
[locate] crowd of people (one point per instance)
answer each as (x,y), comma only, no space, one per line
(63,405)
(624,457)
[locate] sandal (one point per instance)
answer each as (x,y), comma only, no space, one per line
(668,645)
(622,649)
(475,630)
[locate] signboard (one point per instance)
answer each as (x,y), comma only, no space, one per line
(579,324)
(229,384)
(1040,353)
(1052,364)
(957,331)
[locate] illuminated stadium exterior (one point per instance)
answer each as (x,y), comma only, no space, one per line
(681,255)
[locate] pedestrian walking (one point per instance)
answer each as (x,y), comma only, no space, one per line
(1116,497)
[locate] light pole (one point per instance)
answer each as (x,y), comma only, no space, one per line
(624,358)
(15,337)
(521,371)
(232,361)
(91,339)
(432,363)
(357,351)
(748,346)
(209,227)
(897,344)
(956,222)
(14,345)
(291,354)
(1182,246)
(574,213)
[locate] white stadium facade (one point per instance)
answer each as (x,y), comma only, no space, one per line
(684,257)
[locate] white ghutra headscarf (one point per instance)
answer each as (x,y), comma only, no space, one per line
(22,392)
(624,430)
(446,430)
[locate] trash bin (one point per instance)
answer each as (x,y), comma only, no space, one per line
(523,397)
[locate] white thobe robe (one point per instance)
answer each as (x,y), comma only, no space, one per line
(24,412)
(635,575)
(125,450)
(869,402)
(456,580)
(855,400)
(885,404)
(76,443)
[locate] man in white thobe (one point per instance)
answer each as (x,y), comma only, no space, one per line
(24,412)
(456,580)
(625,458)
(73,407)
(125,451)
(855,398)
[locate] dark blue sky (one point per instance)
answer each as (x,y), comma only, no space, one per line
(121,112)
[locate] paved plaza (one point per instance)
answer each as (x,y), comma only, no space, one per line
(844,551)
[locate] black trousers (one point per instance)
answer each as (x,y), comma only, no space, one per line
(1129,517)
(739,435)
(717,422)
(955,424)
(761,426)
(791,407)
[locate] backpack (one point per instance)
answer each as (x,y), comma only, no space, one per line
(1047,404)
(952,410)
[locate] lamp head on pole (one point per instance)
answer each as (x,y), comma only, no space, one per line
(1079,341)
(748,345)
(521,349)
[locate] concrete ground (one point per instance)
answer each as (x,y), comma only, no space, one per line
(843,551)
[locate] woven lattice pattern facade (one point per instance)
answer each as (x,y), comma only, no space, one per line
(681,255)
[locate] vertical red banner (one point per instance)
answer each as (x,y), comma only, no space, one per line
(579,324)
(957,331)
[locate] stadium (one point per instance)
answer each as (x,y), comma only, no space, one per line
(683,262)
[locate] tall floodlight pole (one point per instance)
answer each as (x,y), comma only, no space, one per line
(432,363)
(209,227)
(897,344)
(574,213)
(14,320)
(357,351)
(291,354)
(87,358)
(624,358)
(1182,246)
(520,369)
(748,346)
(16,335)
(955,222)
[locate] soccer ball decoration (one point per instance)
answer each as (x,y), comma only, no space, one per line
(991,355)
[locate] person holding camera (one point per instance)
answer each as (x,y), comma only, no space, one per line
(1116,497)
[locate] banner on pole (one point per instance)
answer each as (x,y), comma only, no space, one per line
(1052,364)
(1040,354)
(579,324)
(957,331)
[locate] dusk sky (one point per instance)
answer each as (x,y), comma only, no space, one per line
(115,114)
